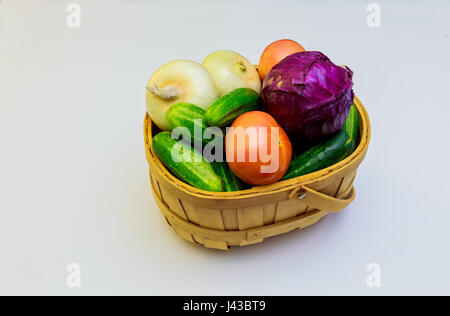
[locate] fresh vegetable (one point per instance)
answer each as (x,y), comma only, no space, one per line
(178,81)
(225,109)
(230,181)
(352,127)
(192,117)
(231,71)
(308,95)
(276,52)
(258,151)
(327,152)
(186,163)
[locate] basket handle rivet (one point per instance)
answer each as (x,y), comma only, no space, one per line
(301,196)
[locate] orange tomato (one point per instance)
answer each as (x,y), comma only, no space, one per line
(258,150)
(276,52)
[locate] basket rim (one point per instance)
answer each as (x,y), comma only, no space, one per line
(276,187)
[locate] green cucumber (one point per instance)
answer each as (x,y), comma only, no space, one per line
(328,152)
(352,128)
(190,167)
(230,181)
(189,116)
(229,106)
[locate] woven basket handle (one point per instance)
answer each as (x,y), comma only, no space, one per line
(321,201)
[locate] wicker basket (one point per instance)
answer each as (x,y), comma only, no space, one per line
(225,219)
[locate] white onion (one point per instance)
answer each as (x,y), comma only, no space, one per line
(178,81)
(231,71)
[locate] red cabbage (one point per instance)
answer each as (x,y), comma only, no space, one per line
(308,95)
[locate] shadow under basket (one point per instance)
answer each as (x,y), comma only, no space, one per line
(223,219)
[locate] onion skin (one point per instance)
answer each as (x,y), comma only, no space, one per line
(231,71)
(175,82)
(308,95)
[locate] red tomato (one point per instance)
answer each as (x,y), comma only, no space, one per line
(276,52)
(258,150)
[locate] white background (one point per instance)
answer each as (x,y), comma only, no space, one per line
(74,180)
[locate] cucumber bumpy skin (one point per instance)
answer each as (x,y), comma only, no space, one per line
(192,117)
(231,183)
(193,168)
(352,127)
(229,106)
(328,152)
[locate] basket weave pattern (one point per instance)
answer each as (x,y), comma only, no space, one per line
(225,219)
